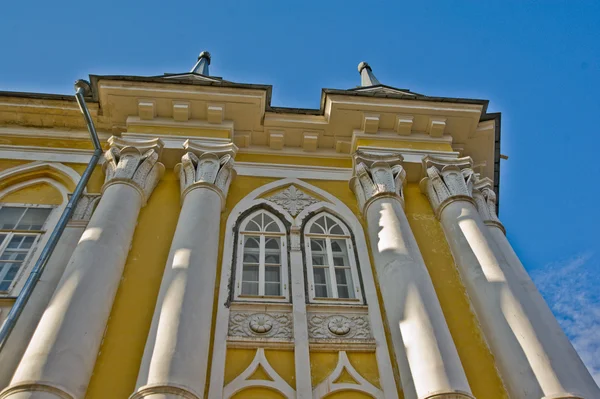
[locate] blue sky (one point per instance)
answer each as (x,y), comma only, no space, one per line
(538,62)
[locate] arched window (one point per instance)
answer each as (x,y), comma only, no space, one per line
(332,272)
(262,258)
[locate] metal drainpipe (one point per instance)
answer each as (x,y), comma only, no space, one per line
(38,269)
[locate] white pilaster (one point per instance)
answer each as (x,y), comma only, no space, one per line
(60,358)
(175,358)
(301,349)
(18,340)
(533,358)
(425,352)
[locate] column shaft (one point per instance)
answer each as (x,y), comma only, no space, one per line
(176,354)
(63,349)
(566,365)
(418,328)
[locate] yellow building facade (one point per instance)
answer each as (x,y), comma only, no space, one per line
(227,248)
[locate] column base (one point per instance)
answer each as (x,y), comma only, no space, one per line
(164,391)
(449,395)
(34,390)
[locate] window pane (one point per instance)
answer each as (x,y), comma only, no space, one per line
(27,242)
(249,288)
(340,253)
(336,230)
(319,260)
(317,245)
(272,274)
(343,291)
(15,242)
(2,237)
(9,216)
(273,289)
(11,272)
(272,243)
(318,226)
(321,291)
(251,242)
(250,273)
(34,219)
(252,226)
(321,275)
(273,258)
(251,258)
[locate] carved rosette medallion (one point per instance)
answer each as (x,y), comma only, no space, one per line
(350,327)
(244,324)
(376,175)
(260,323)
(293,200)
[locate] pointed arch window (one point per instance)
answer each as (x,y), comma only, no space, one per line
(332,272)
(261,270)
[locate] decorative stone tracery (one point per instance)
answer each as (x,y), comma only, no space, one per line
(248,324)
(339,327)
(375,175)
(293,200)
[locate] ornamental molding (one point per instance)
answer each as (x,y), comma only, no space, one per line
(377,174)
(345,328)
(447,180)
(249,324)
(85,207)
(293,200)
(485,199)
(134,163)
(206,165)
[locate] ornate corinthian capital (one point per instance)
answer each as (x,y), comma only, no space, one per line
(208,166)
(375,175)
(447,180)
(485,198)
(134,163)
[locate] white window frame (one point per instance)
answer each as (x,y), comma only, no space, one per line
(14,232)
(332,279)
(282,234)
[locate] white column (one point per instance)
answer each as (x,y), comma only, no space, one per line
(301,349)
(426,355)
(176,355)
(18,340)
(60,358)
(561,358)
(519,340)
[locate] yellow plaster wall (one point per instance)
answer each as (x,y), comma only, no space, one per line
(237,360)
(121,352)
(77,144)
(40,193)
(322,365)
(475,356)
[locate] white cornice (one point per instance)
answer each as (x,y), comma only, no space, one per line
(292,171)
(36,153)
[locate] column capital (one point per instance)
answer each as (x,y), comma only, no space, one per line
(447,180)
(134,163)
(84,209)
(209,166)
(377,174)
(485,198)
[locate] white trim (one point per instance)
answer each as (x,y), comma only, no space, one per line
(40,165)
(36,153)
(337,208)
(242,382)
(328,386)
(50,133)
(292,171)
(176,142)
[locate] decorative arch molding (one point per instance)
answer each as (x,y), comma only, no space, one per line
(32,182)
(331,385)
(244,380)
(336,207)
(58,172)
